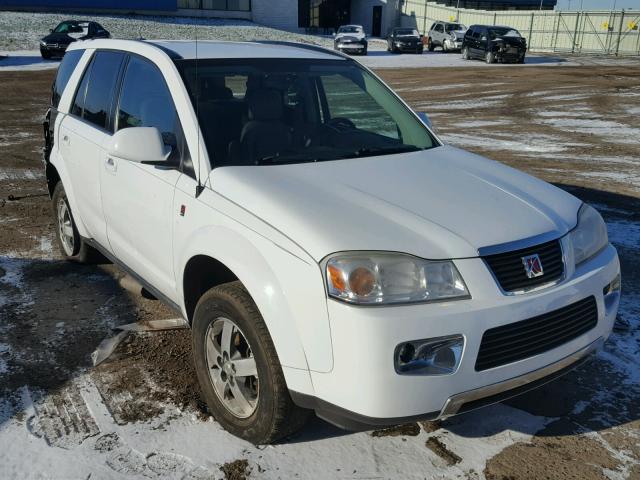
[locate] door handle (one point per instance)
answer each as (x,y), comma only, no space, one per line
(110,164)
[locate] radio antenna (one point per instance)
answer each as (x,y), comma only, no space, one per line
(199,187)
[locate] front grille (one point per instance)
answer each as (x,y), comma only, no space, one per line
(509,271)
(524,339)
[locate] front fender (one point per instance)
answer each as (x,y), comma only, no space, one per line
(288,290)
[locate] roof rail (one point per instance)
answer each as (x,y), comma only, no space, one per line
(306,46)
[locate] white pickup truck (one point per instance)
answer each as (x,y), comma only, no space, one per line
(328,250)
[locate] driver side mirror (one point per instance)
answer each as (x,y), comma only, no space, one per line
(141,145)
(51,30)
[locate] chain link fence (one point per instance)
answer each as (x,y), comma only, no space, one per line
(589,32)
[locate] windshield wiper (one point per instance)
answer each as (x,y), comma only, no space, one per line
(373,151)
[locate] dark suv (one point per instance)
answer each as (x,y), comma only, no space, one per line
(494,44)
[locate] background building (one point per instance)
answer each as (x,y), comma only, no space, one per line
(500,4)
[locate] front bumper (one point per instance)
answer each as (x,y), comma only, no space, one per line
(351,47)
(454,45)
(418,47)
(364,389)
(55,50)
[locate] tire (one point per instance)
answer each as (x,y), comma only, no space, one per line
(72,246)
(266,413)
(45,55)
(465,53)
(490,57)
(445,49)
(521,60)
(431,45)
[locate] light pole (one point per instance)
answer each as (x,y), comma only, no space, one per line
(541,4)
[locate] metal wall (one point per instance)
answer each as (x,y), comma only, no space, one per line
(595,32)
(125,5)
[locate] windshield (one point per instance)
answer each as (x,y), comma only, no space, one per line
(69,27)
(452,27)
(350,30)
(503,32)
(401,32)
(272,111)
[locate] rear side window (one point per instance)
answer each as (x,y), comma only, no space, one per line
(66,68)
(95,96)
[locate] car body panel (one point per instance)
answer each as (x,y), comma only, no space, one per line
(437,204)
(272,226)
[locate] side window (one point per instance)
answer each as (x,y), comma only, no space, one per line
(433,26)
(66,68)
(94,97)
(440,28)
(145,101)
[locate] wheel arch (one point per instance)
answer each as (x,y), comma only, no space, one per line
(287,289)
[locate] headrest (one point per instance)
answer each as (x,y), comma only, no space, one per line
(214,89)
(265,104)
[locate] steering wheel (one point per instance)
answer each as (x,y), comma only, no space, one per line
(341,124)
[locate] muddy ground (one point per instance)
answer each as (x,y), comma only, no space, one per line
(577,127)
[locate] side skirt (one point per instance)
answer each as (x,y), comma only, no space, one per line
(146,285)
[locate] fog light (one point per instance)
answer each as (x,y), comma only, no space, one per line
(432,356)
(612,294)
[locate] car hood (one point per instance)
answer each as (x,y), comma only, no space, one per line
(406,38)
(458,33)
(439,203)
(350,36)
(58,38)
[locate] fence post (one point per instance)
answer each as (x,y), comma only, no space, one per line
(494,17)
(555,39)
(619,32)
(531,31)
(575,33)
(424,19)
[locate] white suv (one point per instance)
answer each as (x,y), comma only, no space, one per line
(329,252)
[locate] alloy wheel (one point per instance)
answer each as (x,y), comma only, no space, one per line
(65,227)
(232,367)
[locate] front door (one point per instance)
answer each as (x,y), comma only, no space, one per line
(138,199)
(83,133)
(376,25)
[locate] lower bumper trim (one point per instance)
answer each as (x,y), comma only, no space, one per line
(456,404)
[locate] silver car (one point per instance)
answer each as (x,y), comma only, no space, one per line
(448,35)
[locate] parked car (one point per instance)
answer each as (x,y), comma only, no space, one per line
(494,44)
(328,250)
(404,40)
(350,39)
(447,35)
(59,38)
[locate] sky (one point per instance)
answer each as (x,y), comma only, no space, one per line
(597,4)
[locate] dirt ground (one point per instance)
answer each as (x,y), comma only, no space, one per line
(577,127)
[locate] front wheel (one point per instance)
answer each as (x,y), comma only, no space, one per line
(490,57)
(238,368)
(72,246)
(431,45)
(465,53)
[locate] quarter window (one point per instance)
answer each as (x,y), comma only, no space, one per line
(66,68)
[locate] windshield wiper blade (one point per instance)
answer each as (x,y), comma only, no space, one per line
(373,151)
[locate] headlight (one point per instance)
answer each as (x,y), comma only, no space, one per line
(43,43)
(590,235)
(383,278)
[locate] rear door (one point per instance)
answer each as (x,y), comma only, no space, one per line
(83,133)
(138,199)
